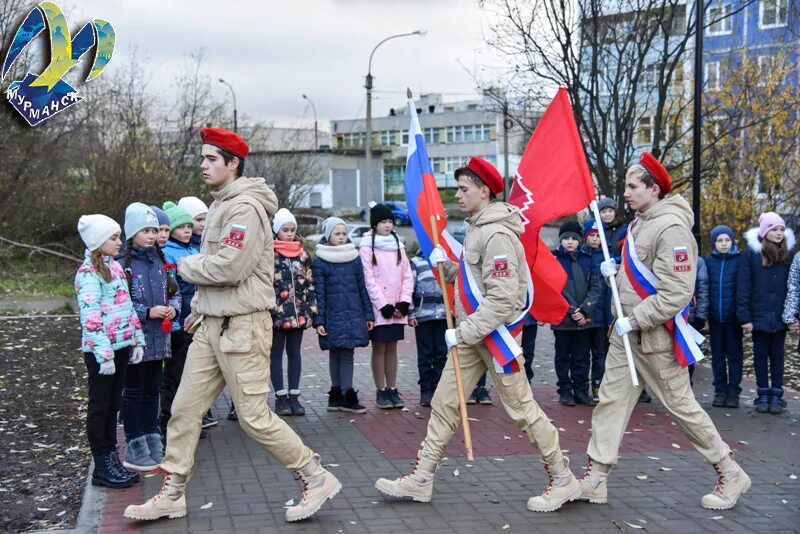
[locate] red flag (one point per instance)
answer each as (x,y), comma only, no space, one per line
(552,181)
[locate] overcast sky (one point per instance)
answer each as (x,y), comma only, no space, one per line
(272,52)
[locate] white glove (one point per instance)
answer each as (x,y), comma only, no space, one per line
(438,255)
(623,326)
(107,367)
(136,356)
(608,268)
(450,338)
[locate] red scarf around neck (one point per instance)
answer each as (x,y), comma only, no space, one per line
(288,249)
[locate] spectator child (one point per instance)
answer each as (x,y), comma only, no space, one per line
(726,334)
(390,284)
(344,311)
(111,337)
(157,301)
(295,305)
(760,296)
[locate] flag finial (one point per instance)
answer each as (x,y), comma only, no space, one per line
(408,92)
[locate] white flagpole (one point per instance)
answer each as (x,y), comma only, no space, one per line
(615,292)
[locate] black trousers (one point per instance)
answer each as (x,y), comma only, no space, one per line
(528,347)
(572,360)
(431,353)
(105,397)
(726,357)
(768,355)
(598,345)
(173,370)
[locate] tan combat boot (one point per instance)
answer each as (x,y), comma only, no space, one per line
(418,485)
(170,501)
(319,485)
(593,483)
(562,486)
(732,483)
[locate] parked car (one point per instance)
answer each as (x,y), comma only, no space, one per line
(355,231)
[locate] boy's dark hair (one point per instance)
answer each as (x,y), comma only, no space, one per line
(474,178)
(227,157)
(648,180)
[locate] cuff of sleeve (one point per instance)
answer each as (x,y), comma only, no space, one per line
(634,322)
(458,336)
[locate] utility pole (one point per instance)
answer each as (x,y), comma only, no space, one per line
(697,126)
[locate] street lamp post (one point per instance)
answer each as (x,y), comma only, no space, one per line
(368,86)
(235,125)
(697,125)
(316,135)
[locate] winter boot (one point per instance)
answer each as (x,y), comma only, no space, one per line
(156,447)
(418,485)
(106,474)
(732,483)
(382,399)
(319,485)
(170,501)
(582,397)
(562,486)
(484,397)
(137,455)
(644,396)
(566,398)
(132,475)
(425,398)
(762,401)
(593,483)
(720,400)
(473,397)
(282,405)
(776,402)
(294,404)
(394,396)
(334,399)
(350,402)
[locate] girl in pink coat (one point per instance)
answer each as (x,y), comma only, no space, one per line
(390,283)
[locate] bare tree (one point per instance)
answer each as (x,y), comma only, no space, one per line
(624,66)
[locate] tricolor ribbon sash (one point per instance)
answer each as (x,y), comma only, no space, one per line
(686,340)
(501,342)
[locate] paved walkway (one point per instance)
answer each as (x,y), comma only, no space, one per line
(657,486)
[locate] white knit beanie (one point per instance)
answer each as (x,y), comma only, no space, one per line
(282,216)
(193,205)
(96,229)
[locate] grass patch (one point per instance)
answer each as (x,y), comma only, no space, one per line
(35,275)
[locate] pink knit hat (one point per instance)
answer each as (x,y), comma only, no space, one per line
(767,221)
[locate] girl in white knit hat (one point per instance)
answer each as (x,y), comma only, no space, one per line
(111,337)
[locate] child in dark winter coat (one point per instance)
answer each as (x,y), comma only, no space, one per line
(760,297)
(614,227)
(157,301)
(295,305)
(726,334)
(582,292)
(178,246)
(344,316)
(111,337)
(428,319)
(598,333)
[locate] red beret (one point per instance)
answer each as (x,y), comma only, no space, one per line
(226,140)
(486,172)
(657,171)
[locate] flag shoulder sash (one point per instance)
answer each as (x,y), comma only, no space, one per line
(686,340)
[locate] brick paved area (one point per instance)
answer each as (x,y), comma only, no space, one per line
(247,489)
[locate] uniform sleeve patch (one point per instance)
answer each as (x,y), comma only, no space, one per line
(685,268)
(236,237)
(500,267)
(681,254)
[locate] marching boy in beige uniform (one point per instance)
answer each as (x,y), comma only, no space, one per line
(664,244)
(233,273)
(494,230)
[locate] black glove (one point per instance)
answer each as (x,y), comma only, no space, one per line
(402,307)
(387,311)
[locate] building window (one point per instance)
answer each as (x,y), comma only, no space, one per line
(431,136)
(353,139)
(453,163)
(388,138)
(404,138)
(651,76)
(773,13)
(644,131)
(720,18)
(766,65)
(712,75)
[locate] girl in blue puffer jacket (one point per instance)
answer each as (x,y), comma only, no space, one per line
(157,301)
(344,311)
